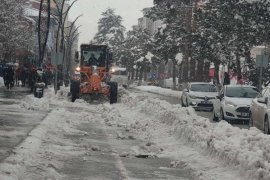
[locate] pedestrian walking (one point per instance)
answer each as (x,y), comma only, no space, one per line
(10,78)
(226,80)
(17,76)
(32,78)
(240,80)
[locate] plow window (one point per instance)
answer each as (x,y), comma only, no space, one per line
(94,58)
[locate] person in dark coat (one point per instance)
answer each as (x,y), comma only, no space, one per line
(32,78)
(226,79)
(9,77)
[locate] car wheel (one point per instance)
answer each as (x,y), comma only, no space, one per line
(250,122)
(221,116)
(266,125)
(214,117)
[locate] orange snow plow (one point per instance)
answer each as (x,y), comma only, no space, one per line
(94,78)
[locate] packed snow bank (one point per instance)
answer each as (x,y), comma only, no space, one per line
(248,150)
(159,90)
(32,103)
(2,82)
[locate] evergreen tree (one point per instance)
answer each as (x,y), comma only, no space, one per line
(136,47)
(228,30)
(110,31)
(174,36)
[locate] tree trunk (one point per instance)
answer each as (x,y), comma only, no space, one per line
(140,75)
(206,69)
(145,74)
(132,74)
(137,73)
(200,71)
(238,65)
(174,74)
(180,73)
(192,70)
(161,73)
(248,55)
(185,69)
(216,77)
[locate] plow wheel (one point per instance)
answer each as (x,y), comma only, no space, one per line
(75,91)
(113,92)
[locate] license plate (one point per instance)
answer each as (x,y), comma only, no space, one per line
(38,89)
(245,114)
(206,102)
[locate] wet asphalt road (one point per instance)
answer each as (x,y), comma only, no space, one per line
(110,161)
(15,122)
(173,100)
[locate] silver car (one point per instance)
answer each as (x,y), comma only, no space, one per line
(199,95)
(260,111)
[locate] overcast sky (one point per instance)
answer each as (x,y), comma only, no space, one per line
(130,10)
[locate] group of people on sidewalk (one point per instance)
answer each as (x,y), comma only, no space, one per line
(227,79)
(14,75)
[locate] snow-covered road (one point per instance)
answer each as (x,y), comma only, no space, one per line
(138,138)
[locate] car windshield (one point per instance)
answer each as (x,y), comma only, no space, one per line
(203,88)
(242,92)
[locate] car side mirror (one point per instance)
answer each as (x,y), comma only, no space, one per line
(263,100)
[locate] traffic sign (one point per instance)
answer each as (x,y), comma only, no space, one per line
(57,58)
(262,61)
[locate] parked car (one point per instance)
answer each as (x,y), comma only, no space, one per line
(199,95)
(234,102)
(260,111)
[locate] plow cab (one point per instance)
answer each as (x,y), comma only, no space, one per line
(94,81)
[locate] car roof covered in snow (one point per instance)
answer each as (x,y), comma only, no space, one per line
(239,85)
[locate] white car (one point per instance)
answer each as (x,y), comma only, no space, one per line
(199,95)
(260,111)
(234,102)
(119,75)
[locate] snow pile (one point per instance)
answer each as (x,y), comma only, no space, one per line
(149,57)
(2,82)
(161,91)
(248,150)
(32,103)
(179,58)
(45,146)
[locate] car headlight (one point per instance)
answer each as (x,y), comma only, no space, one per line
(78,68)
(229,103)
(192,97)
